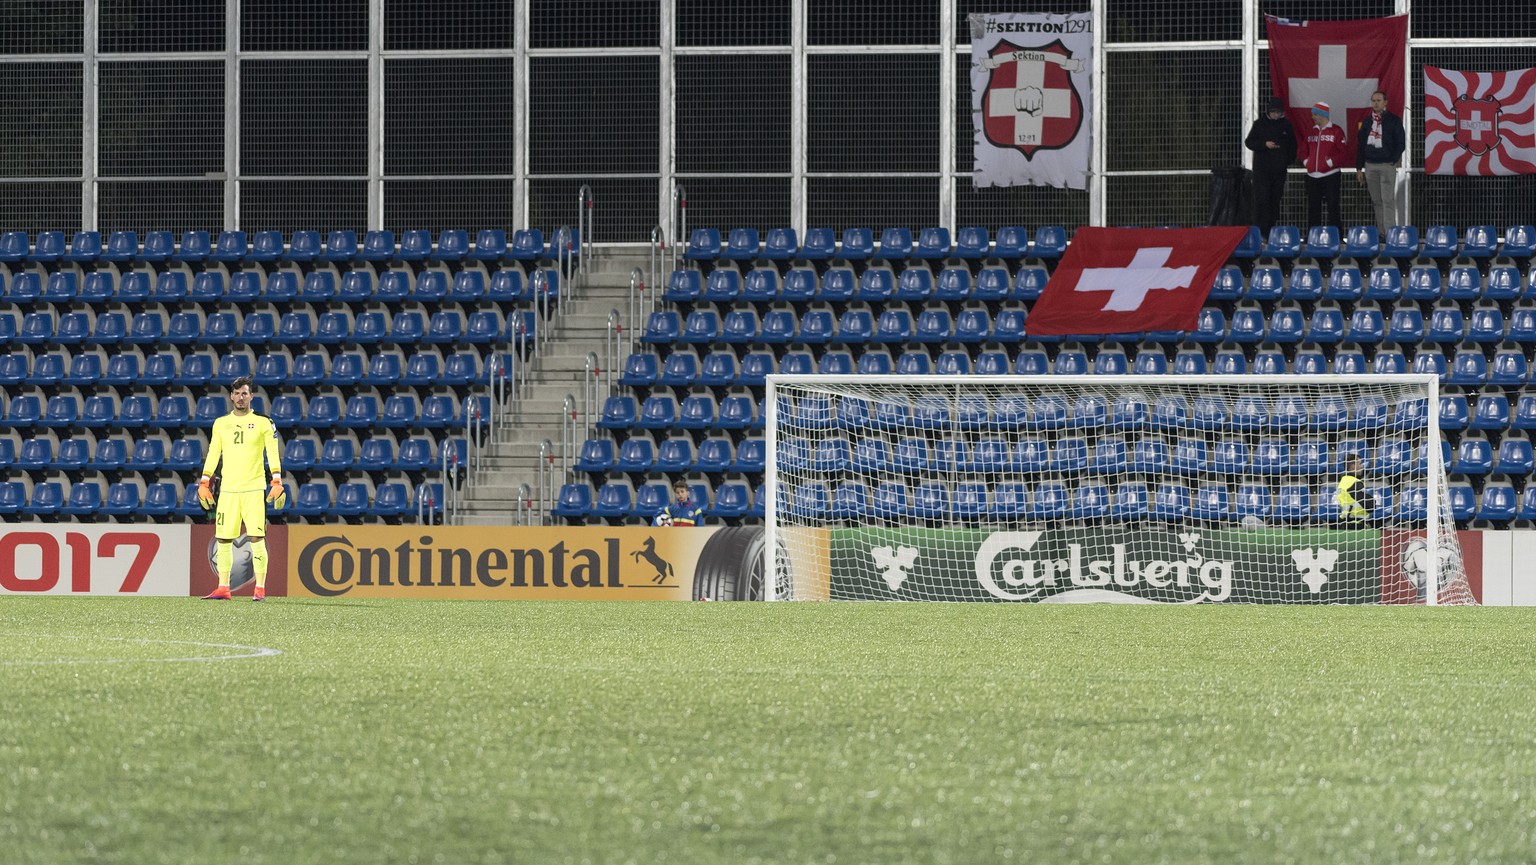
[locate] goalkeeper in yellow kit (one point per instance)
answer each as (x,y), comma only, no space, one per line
(241,439)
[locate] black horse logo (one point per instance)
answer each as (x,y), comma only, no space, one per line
(663,567)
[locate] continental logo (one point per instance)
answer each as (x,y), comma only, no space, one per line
(333,565)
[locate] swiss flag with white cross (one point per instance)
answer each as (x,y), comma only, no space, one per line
(1338,62)
(1129,280)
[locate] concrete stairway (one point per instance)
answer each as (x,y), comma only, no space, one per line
(557,371)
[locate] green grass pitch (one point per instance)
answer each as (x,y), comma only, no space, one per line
(502,732)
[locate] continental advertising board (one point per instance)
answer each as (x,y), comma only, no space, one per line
(575,563)
(1145,564)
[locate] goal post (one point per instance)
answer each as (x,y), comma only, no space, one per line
(1133,489)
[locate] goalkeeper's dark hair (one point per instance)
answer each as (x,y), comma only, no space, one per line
(242,381)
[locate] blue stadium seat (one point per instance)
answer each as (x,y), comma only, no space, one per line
(50,247)
(742,244)
(1171,502)
(1447,325)
(1486,326)
(61,288)
(231,247)
(858,244)
(781,244)
(839,284)
(1385,284)
(1345,284)
(1322,242)
(1349,359)
(1229,284)
(1464,283)
(1454,413)
(800,284)
(1305,284)
(1402,241)
(1509,368)
(1050,242)
(1286,324)
(1440,241)
(1405,326)
(1473,456)
(933,244)
(895,245)
(1284,242)
(196,247)
(282,287)
(1012,243)
(820,245)
(723,286)
(1490,412)
(1326,326)
(1248,325)
(914,285)
(490,245)
(703,245)
(1029,283)
(452,245)
(1361,242)
(972,243)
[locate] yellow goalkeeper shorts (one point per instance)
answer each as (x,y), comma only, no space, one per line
(237,509)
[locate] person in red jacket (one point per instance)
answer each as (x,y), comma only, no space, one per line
(1323,154)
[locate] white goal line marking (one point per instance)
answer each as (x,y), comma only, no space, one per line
(252,651)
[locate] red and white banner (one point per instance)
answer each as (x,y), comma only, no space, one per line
(1127,280)
(105,559)
(1479,123)
(1032,98)
(1338,62)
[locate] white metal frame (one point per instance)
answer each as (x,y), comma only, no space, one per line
(1430,382)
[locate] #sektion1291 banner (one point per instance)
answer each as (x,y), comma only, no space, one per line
(1032,99)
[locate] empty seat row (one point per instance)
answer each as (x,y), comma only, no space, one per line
(1382,283)
(264,325)
(620,500)
(284,286)
(340,247)
(96,498)
(677,454)
(323,410)
(1402,241)
(426,366)
(858,244)
(841,284)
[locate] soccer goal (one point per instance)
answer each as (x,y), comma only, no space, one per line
(1135,489)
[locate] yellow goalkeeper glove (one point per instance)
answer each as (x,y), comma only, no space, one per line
(276,495)
(205,492)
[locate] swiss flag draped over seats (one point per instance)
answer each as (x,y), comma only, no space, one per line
(1127,280)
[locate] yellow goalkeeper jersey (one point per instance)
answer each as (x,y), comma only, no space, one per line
(242,442)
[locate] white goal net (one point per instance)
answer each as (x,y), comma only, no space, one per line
(1138,489)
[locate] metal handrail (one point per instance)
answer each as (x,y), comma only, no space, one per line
(568,421)
(679,219)
(591,383)
(524,507)
(613,346)
(584,223)
(450,465)
(638,300)
(547,490)
(541,305)
(565,260)
(658,257)
(426,504)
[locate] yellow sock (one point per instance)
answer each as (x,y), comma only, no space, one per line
(259,561)
(224,561)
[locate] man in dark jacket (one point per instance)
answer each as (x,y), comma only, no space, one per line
(1379,146)
(1273,143)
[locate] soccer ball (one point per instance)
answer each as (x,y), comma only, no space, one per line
(1415,562)
(663,519)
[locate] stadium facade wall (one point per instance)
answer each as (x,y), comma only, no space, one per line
(266,114)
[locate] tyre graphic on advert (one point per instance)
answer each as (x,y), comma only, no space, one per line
(730,567)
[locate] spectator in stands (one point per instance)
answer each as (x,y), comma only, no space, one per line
(1355,504)
(1273,143)
(1379,146)
(682,512)
(241,439)
(1324,155)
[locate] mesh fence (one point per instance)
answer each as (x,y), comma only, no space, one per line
(876,147)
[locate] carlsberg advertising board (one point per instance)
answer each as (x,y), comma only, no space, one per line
(1129,565)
